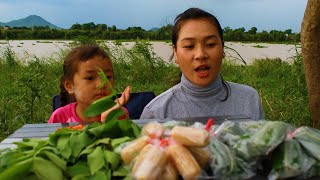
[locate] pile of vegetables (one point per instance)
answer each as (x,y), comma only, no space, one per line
(71,153)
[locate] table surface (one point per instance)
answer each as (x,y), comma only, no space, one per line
(44,129)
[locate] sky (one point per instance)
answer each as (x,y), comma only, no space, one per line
(263,14)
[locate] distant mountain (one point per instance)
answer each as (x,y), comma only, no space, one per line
(30,21)
(154,29)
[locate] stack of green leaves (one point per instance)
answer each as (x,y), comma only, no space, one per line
(74,154)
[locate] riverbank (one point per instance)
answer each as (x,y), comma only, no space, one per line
(248,51)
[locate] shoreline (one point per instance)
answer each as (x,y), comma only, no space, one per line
(24,49)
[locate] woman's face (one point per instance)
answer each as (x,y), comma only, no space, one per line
(199,51)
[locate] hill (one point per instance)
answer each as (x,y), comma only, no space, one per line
(30,21)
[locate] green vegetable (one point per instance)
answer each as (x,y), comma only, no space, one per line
(96,160)
(16,171)
(45,169)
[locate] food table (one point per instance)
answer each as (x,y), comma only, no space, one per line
(43,130)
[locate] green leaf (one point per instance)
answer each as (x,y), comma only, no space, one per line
(10,158)
(54,137)
(56,160)
(99,176)
(29,144)
(78,141)
(91,147)
(103,78)
(115,114)
(45,169)
(117,141)
(80,177)
(64,147)
(99,106)
(112,158)
(105,129)
(96,160)
(121,171)
(80,168)
(18,170)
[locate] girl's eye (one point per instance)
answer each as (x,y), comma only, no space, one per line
(211,44)
(89,78)
(109,77)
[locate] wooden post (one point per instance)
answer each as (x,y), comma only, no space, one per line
(310,42)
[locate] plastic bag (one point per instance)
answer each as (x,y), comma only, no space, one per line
(289,160)
(309,138)
(225,164)
(268,137)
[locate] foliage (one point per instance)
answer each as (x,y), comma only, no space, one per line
(103,31)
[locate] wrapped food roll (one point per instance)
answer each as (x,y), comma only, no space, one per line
(170,171)
(129,152)
(184,161)
(153,130)
(202,155)
(150,163)
(190,136)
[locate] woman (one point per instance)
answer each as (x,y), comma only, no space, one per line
(198,46)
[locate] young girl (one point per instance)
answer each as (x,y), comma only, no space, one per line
(79,85)
(198,47)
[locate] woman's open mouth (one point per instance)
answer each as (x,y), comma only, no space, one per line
(202,71)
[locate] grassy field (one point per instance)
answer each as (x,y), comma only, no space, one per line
(26,90)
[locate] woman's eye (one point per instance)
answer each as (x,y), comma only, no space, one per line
(211,44)
(188,46)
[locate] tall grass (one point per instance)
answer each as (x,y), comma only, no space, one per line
(26,90)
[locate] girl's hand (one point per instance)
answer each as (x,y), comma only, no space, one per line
(119,102)
(124,96)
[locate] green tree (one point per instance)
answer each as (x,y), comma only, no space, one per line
(76,26)
(253,31)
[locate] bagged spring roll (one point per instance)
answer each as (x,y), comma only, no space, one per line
(170,171)
(309,138)
(150,163)
(190,136)
(184,161)
(129,152)
(202,155)
(153,129)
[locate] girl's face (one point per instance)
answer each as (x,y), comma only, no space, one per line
(86,81)
(199,51)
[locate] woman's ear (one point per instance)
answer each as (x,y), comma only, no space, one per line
(176,60)
(68,86)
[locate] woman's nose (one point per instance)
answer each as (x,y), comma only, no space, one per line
(201,53)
